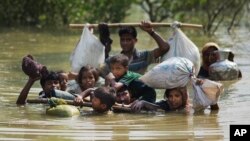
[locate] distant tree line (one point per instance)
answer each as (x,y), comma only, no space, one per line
(58,13)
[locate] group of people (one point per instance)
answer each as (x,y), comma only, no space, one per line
(121,73)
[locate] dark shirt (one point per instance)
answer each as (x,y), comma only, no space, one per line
(136,88)
(203,73)
(163,105)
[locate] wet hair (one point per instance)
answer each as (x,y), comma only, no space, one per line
(87,68)
(51,76)
(128,30)
(106,96)
(121,59)
(182,91)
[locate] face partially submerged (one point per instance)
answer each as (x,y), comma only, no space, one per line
(123,97)
(97,105)
(177,97)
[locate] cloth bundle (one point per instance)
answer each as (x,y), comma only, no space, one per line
(32,68)
(171,73)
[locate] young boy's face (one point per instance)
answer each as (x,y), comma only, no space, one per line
(175,99)
(127,42)
(118,70)
(50,85)
(123,97)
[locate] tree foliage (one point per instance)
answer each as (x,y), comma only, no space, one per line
(61,12)
(210,13)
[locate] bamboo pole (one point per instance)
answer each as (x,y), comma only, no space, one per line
(85,104)
(186,25)
(69,102)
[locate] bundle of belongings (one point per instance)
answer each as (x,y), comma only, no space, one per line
(179,67)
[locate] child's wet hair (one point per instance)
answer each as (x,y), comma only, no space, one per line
(121,59)
(128,30)
(51,76)
(87,68)
(106,96)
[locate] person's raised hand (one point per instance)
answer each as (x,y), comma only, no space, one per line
(146,26)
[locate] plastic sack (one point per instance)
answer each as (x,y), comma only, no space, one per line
(207,93)
(182,46)
(89,50)
(223,69)
(171,73)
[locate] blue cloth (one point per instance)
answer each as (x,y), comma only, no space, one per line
(57,94)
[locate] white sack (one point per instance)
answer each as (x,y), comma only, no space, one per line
(182,46)
(89,50)
(171,73)
(206,94)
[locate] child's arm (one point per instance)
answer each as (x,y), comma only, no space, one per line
(110,81)
(79,98)
(25,91)
(138,105)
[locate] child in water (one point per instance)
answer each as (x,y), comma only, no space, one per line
(175,99)
(87,78)
(122,79)
(50,85)
(102,98)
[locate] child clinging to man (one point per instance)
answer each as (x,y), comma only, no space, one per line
(124,80)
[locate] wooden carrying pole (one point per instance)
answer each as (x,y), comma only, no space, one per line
(69,102)
(186,25)
(85,104)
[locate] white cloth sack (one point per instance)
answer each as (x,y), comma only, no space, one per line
(182,46)
(89,50)
(206,94)
(171,73)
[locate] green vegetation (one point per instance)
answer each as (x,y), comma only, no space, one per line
(59,13)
